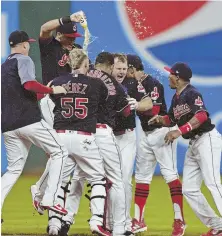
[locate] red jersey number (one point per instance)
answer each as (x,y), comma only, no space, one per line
(79,109)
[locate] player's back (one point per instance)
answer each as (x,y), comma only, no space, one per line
(77,110)
(19,106)
(116,100)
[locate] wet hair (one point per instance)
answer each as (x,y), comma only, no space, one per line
(76,58)
(105,58)
(121,57)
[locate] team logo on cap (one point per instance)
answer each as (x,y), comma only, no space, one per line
(74,28)
(191,35)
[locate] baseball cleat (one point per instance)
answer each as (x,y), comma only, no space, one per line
(126,233)
(57,209)
(35,200)
(64,229)
(129,233)
(213,232)
(53,230)
(178,228)
(138,226)
(38,208)
(99,230)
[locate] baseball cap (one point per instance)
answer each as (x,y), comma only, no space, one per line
(135,61)
(69,30)
(180,69)
(17,37)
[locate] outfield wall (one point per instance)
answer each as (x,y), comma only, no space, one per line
(187,37)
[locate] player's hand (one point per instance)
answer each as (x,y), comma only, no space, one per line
(155,120)
(58,90)
(49,84)
(77,16)
(133,103)
(171,136)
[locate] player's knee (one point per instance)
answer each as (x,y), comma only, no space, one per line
(188,190)
(214,186)
(143,179)
(170,178)
(59,153)
(15,171)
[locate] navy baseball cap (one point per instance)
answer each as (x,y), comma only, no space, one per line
(135,61)
(180,69)
(17,37)
(69,30)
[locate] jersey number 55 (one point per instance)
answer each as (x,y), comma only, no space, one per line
(77,107)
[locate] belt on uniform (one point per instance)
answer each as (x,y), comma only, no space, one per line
(101,126)
(196,136)
(121,132)
(71,131)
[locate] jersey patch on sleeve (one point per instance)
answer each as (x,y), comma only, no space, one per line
(140,88)
(155,94)
(198,101)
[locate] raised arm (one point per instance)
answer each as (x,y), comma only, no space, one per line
(47,28)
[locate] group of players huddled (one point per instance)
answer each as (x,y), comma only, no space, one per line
(87,129)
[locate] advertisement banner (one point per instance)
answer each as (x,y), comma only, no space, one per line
(146,28)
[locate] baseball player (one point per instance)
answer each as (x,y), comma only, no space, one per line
(75,121)
(124,130)
(109,150)
(54,53)
(54,56)
(152,149)
(22,124)
(203,157)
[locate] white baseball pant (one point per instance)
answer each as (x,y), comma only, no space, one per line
(84,151)
(18,143)
(47,106)
(152,149)
(110,153)
(202,163)
(127,145)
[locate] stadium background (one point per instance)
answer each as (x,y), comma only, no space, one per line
(199,45)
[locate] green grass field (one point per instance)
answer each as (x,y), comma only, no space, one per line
(20,217)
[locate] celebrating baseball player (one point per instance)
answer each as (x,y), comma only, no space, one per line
(75,121)
(54,52)
(109,150)
(124,130)
(22,124)
(152,149)
(203,157)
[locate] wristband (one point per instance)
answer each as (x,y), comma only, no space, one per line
(166,120)
(185,128)
(64,20)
